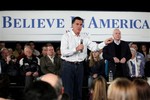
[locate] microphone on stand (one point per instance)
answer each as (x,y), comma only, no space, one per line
(81,42)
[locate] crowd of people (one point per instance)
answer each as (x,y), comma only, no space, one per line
(58,73)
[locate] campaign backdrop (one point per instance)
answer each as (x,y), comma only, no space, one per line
(51,25)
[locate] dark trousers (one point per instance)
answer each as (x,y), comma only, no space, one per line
(28,81)
(72,78)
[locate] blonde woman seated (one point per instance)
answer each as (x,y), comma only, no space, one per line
(98,89)
(121,89)
(136,67)
(96,66)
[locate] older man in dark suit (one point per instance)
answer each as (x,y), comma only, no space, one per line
(117,53)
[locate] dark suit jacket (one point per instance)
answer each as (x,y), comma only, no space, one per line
(48,67)
(109,52)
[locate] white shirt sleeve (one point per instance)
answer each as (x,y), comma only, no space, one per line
(101,45)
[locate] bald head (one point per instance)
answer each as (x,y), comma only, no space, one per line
(50,78)
(53,80)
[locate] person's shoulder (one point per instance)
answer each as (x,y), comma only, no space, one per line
(140,54)
(42,58)
(124,42)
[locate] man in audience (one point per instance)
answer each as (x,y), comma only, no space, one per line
(117,53)
(30,66)
(50,63)
(40,90)
(55,81)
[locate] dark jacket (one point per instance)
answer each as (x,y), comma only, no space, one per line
(109,52)
(48,67)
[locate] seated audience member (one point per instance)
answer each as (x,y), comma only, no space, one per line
(9,65)
(18,50)
(55,81)
(3,67)
(143,89)
(58,52)
(136,68)
(30,66)
(13,69)
(34,50)
(50,63)
(138,54)
(40,90)
(2,44)
(95,66)
(44,52)
(98,89)
(144,50)
(10,51)
(121,89)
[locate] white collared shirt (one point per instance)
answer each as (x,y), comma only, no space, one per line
(70,41)
(51,58)
(117,42)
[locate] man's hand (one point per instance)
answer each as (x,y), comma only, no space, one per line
(80,47)
(116,60)
(109,40)
(35,74)
(123,60)
(28,73)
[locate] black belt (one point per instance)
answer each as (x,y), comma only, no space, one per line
(75,62)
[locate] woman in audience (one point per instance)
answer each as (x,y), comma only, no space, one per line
(143,89)
(144,51)
(96,66)
(98,89)
(121,89)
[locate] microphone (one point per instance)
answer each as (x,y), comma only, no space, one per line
(81,42)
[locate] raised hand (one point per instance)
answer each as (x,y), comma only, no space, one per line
(109,40)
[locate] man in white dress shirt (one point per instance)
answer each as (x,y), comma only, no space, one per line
(74,45)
